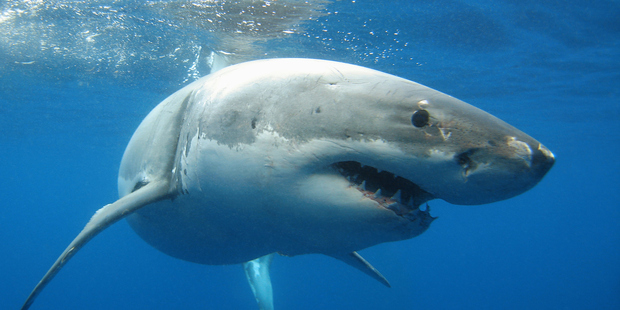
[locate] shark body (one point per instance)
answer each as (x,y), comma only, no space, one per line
(300,156)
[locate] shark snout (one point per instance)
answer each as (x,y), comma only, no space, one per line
(536,158)
(500,171)
(541,161)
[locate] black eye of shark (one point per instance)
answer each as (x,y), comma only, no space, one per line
(390,191)
(420,118)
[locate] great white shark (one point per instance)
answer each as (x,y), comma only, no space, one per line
(300,156)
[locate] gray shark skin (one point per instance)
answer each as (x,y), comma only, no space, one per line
(300,156)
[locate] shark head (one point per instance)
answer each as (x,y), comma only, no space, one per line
(449,149)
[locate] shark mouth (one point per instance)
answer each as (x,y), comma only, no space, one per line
(390,191)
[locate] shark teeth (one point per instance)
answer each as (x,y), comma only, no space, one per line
(395,202)
(397,196)
(384,186)
(390,191)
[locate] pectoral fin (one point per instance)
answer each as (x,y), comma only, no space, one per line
(360,263)
(102,219)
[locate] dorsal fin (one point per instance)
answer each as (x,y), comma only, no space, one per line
(360,263)
(102,219)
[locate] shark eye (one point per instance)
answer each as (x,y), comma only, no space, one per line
(420,118)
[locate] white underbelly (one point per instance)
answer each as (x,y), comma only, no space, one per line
(220,229)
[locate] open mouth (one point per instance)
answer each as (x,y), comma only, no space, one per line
(390,191)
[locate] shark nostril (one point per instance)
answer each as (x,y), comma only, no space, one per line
(464,158)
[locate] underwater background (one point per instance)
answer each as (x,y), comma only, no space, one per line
(77,77)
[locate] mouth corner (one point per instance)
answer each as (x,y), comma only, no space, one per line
(389,190)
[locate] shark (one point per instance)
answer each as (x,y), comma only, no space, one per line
(304,156)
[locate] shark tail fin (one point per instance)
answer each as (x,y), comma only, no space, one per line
(360,263)
(102,219)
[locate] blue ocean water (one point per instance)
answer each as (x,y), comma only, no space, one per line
(77,77)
